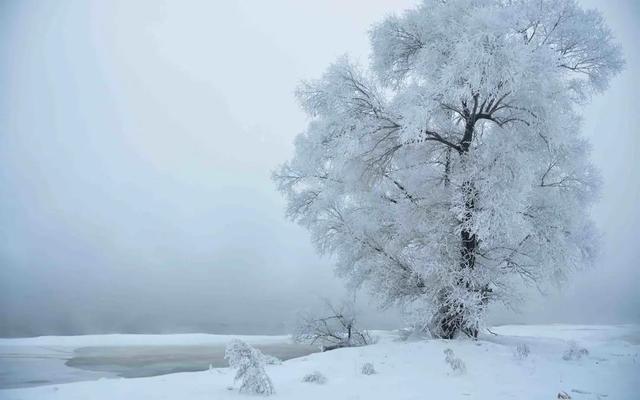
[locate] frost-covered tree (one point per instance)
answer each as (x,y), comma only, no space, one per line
(250,365)
(453,168)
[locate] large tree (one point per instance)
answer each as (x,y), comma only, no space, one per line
(453,169)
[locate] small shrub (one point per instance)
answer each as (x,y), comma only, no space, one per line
(335,328)
(522,351)
(315,377)
(368,369)
(456,364)
(574,352)
(250,364)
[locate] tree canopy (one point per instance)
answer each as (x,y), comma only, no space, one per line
(453,168)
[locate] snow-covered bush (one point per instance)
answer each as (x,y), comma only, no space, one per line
(315,377)
(456,364)
(335,328)
(521,351)
(250,365)
(574,352)
(368,369)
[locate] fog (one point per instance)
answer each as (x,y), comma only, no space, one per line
(137,141)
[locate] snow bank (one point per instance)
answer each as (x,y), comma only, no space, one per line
(572,332)
(410,370)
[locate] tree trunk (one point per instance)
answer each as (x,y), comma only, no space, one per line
(451,314)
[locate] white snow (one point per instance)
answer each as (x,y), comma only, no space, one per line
(410,370)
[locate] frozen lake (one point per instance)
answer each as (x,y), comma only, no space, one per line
(35,364)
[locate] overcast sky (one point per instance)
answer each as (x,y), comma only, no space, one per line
(137,139)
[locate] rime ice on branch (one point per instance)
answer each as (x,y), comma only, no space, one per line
(453,169)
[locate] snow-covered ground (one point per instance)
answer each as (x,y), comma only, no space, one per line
(414,369)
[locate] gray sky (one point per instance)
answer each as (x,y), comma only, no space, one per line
(137,140)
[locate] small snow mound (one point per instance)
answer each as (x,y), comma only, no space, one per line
(368,369)
(272,360)
(315,377)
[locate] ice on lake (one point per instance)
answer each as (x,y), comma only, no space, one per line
(33,365)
